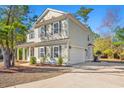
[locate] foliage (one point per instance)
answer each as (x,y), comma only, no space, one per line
(98,53)
(20,54)
(108,52)
(122,55)
(14,22)
(95,35)
(101,44)
(120,34)
(110,21)
(32,60)
(83,12)
(60,60)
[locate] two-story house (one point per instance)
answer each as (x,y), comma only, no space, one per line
(57,33)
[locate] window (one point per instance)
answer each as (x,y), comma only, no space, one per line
(56,51)
(42,52)
(42,31)
(31,35)
(56,28)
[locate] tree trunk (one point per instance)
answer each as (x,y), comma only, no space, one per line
(6,58)
(13,58)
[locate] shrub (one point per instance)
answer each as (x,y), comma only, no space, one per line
(43,59)
(60,61)
(33,60)
(98,53)
(20,54)
(122,56)
(108,52)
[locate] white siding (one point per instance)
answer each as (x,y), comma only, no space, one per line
(36,38)
(51,14)
(78,43)
(77,55)
(64,33)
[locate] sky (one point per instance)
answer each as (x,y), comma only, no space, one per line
(95,17)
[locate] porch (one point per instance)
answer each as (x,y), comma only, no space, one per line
(52,49)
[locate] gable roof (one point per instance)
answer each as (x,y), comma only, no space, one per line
(68,15)
(46,11)
(50,9)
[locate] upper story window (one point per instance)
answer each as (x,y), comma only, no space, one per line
(42,31)
(31,35)
(56,28)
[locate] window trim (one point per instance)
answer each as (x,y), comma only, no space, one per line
(58,27)
(30,37)
(54,52)
(42,52)
(41,32)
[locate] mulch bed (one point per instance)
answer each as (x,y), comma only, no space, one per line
(24,74)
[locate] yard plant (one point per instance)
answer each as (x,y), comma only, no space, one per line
(14,24)
(33,60)
(60,60)
(43,59)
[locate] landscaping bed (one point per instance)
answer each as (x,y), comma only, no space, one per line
(24,74)
(112,60)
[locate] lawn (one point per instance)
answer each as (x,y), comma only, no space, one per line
(24,74)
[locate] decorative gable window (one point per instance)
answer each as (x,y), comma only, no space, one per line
(31,35)
(56,27)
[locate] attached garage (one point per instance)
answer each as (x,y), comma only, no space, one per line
(77,55)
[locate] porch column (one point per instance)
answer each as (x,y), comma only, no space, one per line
(17,53)
(23,54)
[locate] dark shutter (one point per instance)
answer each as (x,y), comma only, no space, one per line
(60,26)
(45,28)
(45,50)
(51,28)
(60,50)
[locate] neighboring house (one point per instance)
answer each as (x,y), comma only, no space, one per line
(57,33)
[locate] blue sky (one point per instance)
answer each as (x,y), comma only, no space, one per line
(96,16)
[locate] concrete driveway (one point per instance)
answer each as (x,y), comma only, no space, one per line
(89,75)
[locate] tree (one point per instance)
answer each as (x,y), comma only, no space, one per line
(95,36)
(14,22)
(101,44)
(83,13)
(119,35)
(108,52)
(111,21)
(118,41)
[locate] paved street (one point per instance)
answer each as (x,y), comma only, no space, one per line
(85,75)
